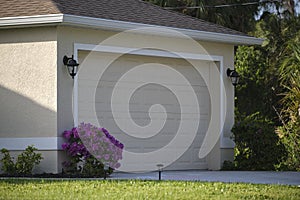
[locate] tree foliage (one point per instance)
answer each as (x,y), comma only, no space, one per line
(255,92)
(290,113)
(237,16)
(271,80)
(265,69)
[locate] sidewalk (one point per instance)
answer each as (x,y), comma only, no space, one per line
(257,177)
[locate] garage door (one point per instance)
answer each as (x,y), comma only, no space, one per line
(150,102)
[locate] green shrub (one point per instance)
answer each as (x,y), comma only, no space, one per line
(27,160)
(24,164)
(257,145)
(290,137)
(7,162)
(228,165)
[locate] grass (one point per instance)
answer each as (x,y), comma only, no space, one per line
(134,189)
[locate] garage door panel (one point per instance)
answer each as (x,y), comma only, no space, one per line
(141,101)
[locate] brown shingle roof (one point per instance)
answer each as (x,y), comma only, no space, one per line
(16,8)
(136,11)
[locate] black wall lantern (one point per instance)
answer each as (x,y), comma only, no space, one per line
(72,65)
(234,76)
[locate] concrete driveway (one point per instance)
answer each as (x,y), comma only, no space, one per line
(258,177)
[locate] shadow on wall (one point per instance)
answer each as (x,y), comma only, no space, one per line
(21,117)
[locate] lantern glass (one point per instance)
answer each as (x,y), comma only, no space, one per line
(235,80)
(70,69)
(72,65)
(234,76)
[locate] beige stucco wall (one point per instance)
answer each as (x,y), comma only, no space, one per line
(28,89)
(67,36)
(28,83)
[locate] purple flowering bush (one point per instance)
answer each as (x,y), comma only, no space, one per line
(89,149)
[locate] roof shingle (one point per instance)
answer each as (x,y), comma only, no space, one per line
(136,11)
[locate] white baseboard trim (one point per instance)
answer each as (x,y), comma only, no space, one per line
(41,143)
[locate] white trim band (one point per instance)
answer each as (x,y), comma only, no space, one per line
(31,20)
(41,143)
(114,25)
(144,52)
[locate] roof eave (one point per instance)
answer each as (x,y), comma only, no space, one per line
(7,22)
(114,25)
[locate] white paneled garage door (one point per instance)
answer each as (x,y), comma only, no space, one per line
(97,79)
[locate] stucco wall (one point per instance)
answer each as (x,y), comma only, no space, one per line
(67,36)
(28,83)
(28,90)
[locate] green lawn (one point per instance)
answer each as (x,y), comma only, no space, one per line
(45,189)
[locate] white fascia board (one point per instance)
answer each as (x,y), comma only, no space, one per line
(114,25)
(224,38)
(7,22)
